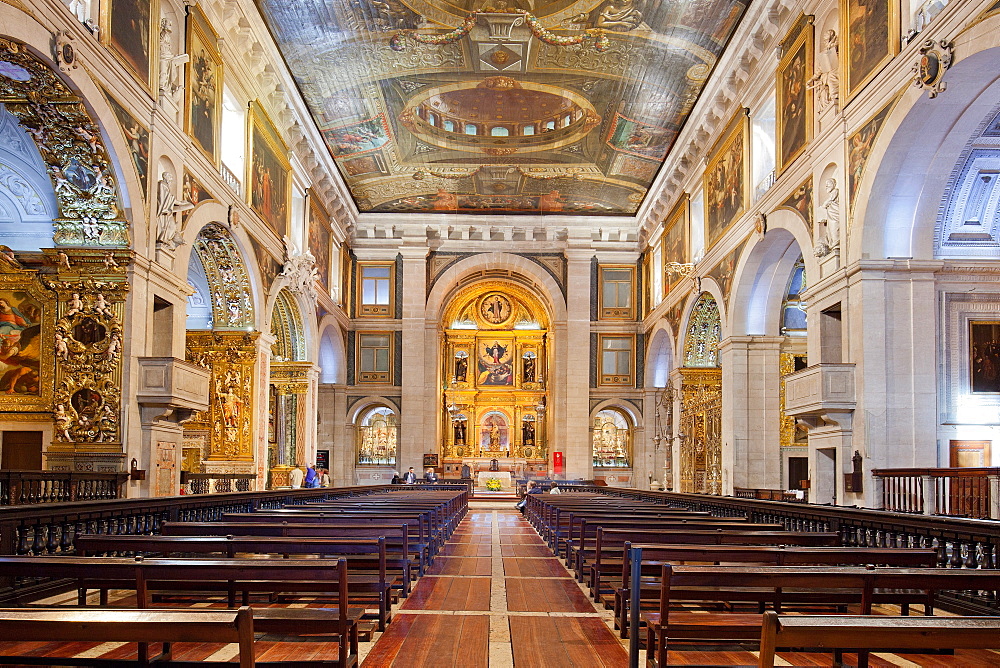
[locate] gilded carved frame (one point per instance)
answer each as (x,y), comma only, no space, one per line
(15,280)
(799,40)
(200,32)
(735,136)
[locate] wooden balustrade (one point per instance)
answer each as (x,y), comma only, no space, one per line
(956,492)
(50,528)
(959,542)
(218,483)
(768,495)
(31,487)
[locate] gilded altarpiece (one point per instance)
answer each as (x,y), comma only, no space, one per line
(701,426)
(290,382)
(88,344)
(494,355)
(225,431)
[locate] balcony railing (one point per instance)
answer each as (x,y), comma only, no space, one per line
(31,487)
(218,483)
(231,179)
(768,495)
(956,492)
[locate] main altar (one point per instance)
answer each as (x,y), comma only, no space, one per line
(495,356)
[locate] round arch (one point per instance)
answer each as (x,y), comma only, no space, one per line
(37,40)
(909,166)
(697,301)
(762,277)
(288,329)
(453,279)
(660,356)
(225,276)
(331,353)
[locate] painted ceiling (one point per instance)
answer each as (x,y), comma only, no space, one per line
(494,106)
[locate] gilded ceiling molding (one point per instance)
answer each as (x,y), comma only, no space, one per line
(70,143)
(286,326)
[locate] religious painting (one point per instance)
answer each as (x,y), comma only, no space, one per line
(367,135)
(873,39)
(20,344)
(800,201)
(725,271)
(727,179)
(599,108)
(984,356)
(794,103)
(127,29)
(320,240)
(204,84)
(269,267)
(137,138)
(676,246)
(495,363)
(270,188)
(631,136)
(495,308)
(859,147)
(192,191)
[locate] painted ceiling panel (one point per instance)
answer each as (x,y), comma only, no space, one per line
(525,106)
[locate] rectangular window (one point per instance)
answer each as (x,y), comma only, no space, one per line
(617,290)
(375,357)
(616,360)
(375,290)
(233,139)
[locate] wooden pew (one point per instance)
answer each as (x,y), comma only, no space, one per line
(778,585)
(365,558)
(608,554)
(654,557)
(323,577)
(139,626)
(398,537)
(846,632)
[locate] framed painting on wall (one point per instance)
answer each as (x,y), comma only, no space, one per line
(269,188)
(676,244)
(320,239)
(873,39)
(984,356)
(204,84)
(127,28)
(794,102)
(27,316)
(727,179)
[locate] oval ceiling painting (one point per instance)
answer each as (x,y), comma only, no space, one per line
(518,106)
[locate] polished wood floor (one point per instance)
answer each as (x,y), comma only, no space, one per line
(496,597)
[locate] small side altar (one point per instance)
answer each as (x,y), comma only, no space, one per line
(503,476)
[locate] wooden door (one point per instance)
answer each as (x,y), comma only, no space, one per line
(969,454)
(22,450)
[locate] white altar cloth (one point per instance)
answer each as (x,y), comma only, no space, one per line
(502,476)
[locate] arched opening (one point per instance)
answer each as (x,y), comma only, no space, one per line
(27,200)
(701,401)
(611,440)
(377,432)
(287,391)
(495,348)
(221,338)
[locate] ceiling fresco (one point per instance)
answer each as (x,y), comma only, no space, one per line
(493,106)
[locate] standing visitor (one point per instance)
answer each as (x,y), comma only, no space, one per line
(295,477)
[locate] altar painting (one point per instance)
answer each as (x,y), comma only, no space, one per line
(20,344)
(495,363)
(495,433)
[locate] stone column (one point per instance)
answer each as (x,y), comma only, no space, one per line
(751,414)
(331,411)
(572,409)
(417,433)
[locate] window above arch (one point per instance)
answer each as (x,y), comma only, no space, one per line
(793,307)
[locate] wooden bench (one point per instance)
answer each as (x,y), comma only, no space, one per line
(847,632)
(365,558)
(138,626)
(780,585)
(608,554)
(318,577)
(401,540)
(654,557)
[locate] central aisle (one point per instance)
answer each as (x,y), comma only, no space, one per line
(497,597)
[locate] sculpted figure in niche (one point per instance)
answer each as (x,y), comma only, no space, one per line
(528,433)
(171,81)
(832,206)
(528,370)
(461,367)
(459,432)
(167,208)
(826,81)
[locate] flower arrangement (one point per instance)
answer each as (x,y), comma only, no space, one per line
(493,485)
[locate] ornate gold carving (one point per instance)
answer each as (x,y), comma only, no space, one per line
(231,357)
(228,281)
(701,431)
(72,147)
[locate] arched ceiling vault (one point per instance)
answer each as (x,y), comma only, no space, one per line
(513,106)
